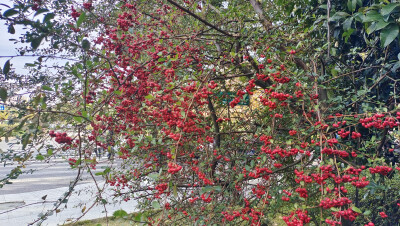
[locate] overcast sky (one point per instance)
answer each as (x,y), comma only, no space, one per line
(7,48)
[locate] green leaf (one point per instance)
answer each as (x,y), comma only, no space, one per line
(368,212)
(334,209)
(355,209)
(84,114)
(85,44)
(387,9)
(48,17)
(351,5)
(10,12)
(380,25)
(78,119)
(358,16)
(347,34)
(371,16)
(347,23)
(120,213)
(39,157)
(47,88)
(35,43)
(3,94)
(149,97)
(40,11)
(371,28)
(339,15)
(6,68)
(389,34)
(25,140)
(11,29)
(395,67)
(153,176)
(175,191)
(156,205)
(80,20)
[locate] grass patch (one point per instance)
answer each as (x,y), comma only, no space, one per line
(129,219)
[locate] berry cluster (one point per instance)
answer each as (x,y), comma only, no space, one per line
(355,135)
(383,214)
(328,203)
(377,122)
(300,218)
(206,199)
(75,14)
(340,153)
(292,132)
(343,134)
(332,222)
(383,170)
(348,214)
(361,183)
(302,192)
(61,138)
(173,168)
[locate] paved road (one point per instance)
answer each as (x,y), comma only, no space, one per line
(42,176)
(21,202)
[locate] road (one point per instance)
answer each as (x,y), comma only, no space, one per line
(21,202)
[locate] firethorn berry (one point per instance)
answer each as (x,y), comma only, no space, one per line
(383,170)
(383,214)
(74,13)
(87,5)
(173,168)
(71,161)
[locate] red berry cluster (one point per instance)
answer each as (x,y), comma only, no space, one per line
(259,191)
(237,99)
(61,138)
(355,135)
(71,161)
(340,153)
(74,13)
(161,188)
(292,132)
(279,96)
(348,214)
(231,217)
(207,199)
(300,219)
(173,168)
(361,183)
(383,214)
(328,203)
(302,192)
(343,134)
(383,170)
(377,122)
(332,222)
(87,5)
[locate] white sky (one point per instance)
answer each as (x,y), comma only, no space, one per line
(8,48)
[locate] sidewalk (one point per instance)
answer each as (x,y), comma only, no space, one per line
(35,205)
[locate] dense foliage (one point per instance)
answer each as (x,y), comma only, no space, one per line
(219,112)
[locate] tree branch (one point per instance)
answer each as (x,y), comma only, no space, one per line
(201,20)
(257,8)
